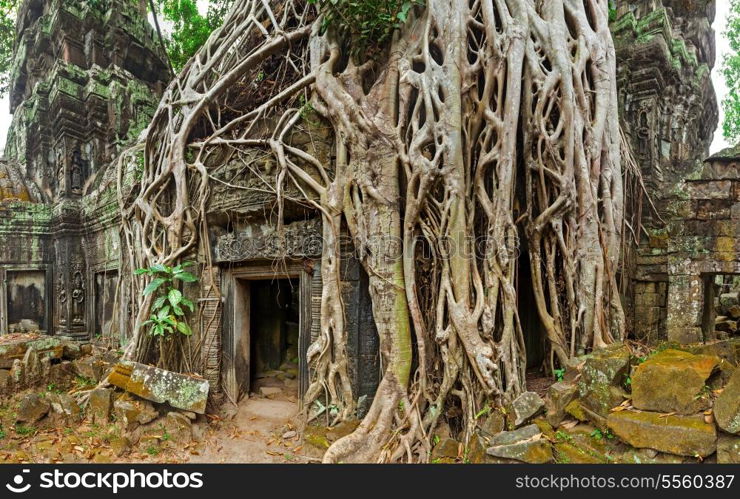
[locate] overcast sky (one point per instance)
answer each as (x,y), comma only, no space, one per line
(723,8)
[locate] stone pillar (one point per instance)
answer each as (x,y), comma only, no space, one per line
(685,307)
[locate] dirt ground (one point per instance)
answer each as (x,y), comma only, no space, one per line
(264,430)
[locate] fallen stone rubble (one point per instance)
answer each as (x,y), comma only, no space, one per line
(56,381)
(678,403)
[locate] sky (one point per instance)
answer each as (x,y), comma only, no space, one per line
(723,48)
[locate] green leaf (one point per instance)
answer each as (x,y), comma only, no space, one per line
(158,302)
(174,296)
(184,328)
(152,287)
(141,271)
(188,304)
(177,310)
(159,268)
(163,313)
(181,267)
(186,277)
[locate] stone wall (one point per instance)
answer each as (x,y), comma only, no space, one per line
(702,241)
(85,81)
(665,53)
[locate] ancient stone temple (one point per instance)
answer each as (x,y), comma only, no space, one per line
(665,52)
(85,80)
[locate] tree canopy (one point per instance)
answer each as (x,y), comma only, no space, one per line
(190,29)
(731,72)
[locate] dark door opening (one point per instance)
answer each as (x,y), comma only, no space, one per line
(721,312)
(26,302)
(273,334)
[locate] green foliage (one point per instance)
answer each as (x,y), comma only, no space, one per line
(484,412)
(24,430)
(563,436)
(364,23)
(83,382)
(7,40)
(168,307)
(612,10)
(559,373)
(731,72)
(598,434)
(190,28)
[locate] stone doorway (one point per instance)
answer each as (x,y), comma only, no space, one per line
(274,316)
(721,308)
(267,331)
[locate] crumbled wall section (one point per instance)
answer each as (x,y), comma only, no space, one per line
(701,243)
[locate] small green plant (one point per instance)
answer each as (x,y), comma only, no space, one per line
(597,434)
(559,374)
(563,436)
(165,436)
(53,388)
(2,434)
(24,430)
(83,382)
(435,440)
(484,412)
(168,314)
(152,451)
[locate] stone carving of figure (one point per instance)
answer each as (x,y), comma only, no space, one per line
(60,172)
(643,134)
(78,298)
(76,171)
(62,294)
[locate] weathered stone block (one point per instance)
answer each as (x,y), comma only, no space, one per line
(447,450)
(728,449)
(559,395)
(179,428)
(600,385)
(527,444)
(132,413)
(680,435)
(66,406)
(673,381)
(525,407)
(158,385)
(101,400)
(495,423)
(727,405)
(32,408)
(45,346)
